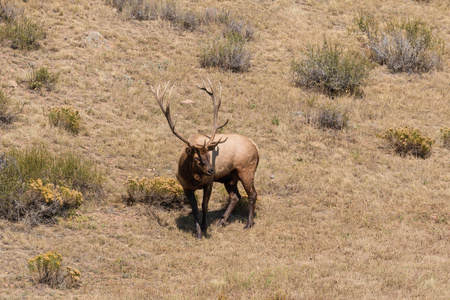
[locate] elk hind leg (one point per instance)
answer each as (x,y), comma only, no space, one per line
(247,182)
(233,191)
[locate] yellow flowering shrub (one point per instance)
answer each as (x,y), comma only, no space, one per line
(162,191)
(72,277)
(46,268)
(408,141)
(65,117)
(50,194)
(445,132)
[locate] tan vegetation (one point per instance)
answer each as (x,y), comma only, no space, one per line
(339,215)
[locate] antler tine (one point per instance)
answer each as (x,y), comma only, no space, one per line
(216,106)
(166,110)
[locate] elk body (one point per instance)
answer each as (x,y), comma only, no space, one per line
(221,158)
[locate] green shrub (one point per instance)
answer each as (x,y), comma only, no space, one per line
(330,69)
(23,33)
(229,53)
(445,132)
(8,110)
(65,117)
(402,45)
(158,191)
(46,269)
(37,186)
(42,78)
(408,141)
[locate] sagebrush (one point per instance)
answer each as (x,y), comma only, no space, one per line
(229,52)
(328,117)
(330,69)
(403,45)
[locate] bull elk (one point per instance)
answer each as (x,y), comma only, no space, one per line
(233,158)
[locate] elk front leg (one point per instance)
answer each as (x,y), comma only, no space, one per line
(193,201)
(206,195)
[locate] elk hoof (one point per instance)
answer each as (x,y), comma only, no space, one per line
(198,234)
(248,226)
(221,223)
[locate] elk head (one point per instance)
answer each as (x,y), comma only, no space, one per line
(198,157)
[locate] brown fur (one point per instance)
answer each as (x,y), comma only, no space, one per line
(234,160)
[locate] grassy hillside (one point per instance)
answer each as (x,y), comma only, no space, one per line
(340,215)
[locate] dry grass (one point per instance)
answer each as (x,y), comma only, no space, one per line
(338,216)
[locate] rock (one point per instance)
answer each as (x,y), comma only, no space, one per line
(12,83)
(94,39)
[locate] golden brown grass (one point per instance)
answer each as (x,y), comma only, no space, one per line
(338,217)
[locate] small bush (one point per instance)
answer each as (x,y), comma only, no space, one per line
(190,20)
(46,269)
(8,110)
(23,33)
(158,191)
(36,186)
(65,117)
(212,16)
(329,117)
(136,9)
(330,69)
(239,29)
(408,141)
(9,11)
(445,132)
(403,46)
(51,194)
(229,53)
(42,78)
(46,201)
(169,11)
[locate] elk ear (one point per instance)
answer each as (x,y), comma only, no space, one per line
(188,150)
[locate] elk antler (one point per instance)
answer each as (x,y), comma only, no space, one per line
(211,143)
(166,111)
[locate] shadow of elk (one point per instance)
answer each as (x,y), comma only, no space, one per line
(221,158)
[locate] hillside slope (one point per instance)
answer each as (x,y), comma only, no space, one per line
(339,215)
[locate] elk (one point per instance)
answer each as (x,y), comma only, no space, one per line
(216,158)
